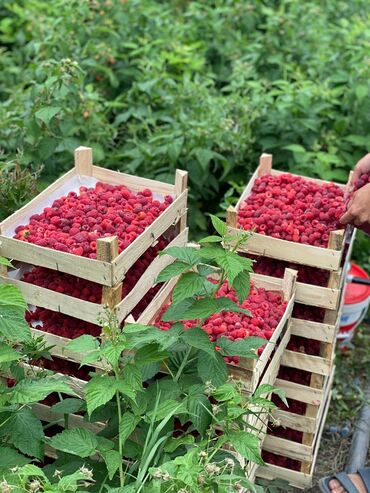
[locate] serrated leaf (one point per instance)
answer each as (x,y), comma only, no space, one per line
(13,325)
(25,432)
(295,148)
(47,113)
(196,337)
(113,352)
(241,284)
(190,284)
(10,296)
(219,225)
(244,348)
(164,339)
(228,305)
(7,354)
(174,443)
(225,393)
(32,470)
(77,441)
(202,308)
(133,328)
(128,424)
(126,389)
(199,409)
(112,459)
(185,254)
(11,458)
(91,357)
(212,370)
(68,406)
(206,270)
(247,445)
(132,376)
(99,390)
(211,239)
(149,354)
(83,344)
(231,264)
(29,390)
(210,253)
(172,270)
(175,310)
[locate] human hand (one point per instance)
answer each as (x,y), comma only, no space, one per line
(358,212)
(361,168)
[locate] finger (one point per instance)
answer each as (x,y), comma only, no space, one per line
(357,172)
(347,217)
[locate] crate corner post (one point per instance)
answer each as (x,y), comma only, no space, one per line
(265,164)
(107,251)
(231,217)
(181,186)
(289,283)
(83,159)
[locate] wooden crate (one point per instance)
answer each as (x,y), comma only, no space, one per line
(249,371)
(109,269)
(306,454)
(325,258)
(86,310)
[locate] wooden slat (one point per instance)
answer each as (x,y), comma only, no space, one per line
(44,413)
(83,161)
(306,362)
(289,251)
(181,184)
(58,302)
(83,267)
(306,394)
(148,280)
(293,450)
(314,330)
(133,252)
(107,251)
(134,183)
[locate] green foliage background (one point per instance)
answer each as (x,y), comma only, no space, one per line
(206,86)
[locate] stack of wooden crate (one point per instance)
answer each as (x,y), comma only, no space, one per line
(109,268)
(299,434)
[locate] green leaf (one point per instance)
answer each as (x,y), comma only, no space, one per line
(196,337)
(29,390)
(90,357)
(7,354)
(68,406)
(210,252)
(185,254)
(189,285)
(295,148)
(113,352)
(174,443)
(32,470)
(11,458)
(99,390)
(132,376)
(77,441)
(47,113)
(175,310)
(133,328)
(10,296)
(226,304)
(241,284)
(202,308)
(212,370)
(149,354)
(200,411)
(167,408)
(164,339)
(204,156)
(126,388)
(13,325)
(25,432)
(172,270)
(231,264)
(128,424)
(226,392)
(247,445)
(112,459)
(219,225)
(245,348)
(83,344)
(5,261)
(211,239)
(206,270)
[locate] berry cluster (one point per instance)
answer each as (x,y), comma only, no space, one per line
(276,268)
(87,290)
(267,308)
(279,460)
(60,324)
(294,406)
(286,433)
(294,375)
(304,345)
(293,208)
(74,222)
(305,312)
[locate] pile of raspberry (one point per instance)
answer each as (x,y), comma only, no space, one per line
(276,268)
(74,222)
(267,309)
(362,181)
(281,461)
(87,290)
(311,313)
(293,208)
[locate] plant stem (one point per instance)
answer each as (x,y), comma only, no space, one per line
(120,445)
(183,364)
